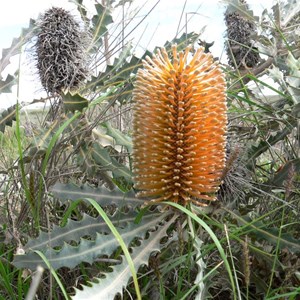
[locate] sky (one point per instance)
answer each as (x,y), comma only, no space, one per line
(161,25)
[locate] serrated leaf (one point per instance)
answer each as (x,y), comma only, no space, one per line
(40,144)
(87,250)
(271,234)
(276,74)
(5,86)
(201,266)
(100,22)
(102,158)
(263,146)
(290,9)
(73,102)
(120,138)
(7,117)
(82,10)
(266,47)
(182,41)
(115,281)
(15,47)
(88,226)
(284,174)
(102,195)
(296,111)
(236,6)
(117,74)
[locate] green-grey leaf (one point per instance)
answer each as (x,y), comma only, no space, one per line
(182,41)
(271,234)
(5,85)
(15,47)
(88,226)
(115,281)
(102,158)
(100,22)
(289,169)
(120,138)
(102,195)
(87,250)
(263,146)
(7,117)
(73,102)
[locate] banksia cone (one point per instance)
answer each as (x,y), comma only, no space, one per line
(60,51)
(239,47)
(179,127)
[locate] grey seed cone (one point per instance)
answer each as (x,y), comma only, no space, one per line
(239,47)
(60,51)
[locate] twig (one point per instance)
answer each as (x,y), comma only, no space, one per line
(255,71)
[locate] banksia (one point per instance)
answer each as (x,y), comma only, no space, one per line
(179,127)
(239,47)
(60,51)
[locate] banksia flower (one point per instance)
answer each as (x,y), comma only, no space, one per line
(179,127)
(239,47)
(60,51)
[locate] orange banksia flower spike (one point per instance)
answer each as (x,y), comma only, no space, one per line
(179,127)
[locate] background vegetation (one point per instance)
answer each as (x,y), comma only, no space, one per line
(71,226)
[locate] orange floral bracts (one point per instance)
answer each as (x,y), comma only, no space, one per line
(179,127)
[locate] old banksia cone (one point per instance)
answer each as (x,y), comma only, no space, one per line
(179,127)
(60,51)
(240,29)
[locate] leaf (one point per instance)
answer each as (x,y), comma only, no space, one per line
(7,117)
(87,250)
(40,143)
(261,232)
(88,226)
(5,86)
(284,174)
(290,9)
(73,102)
(276,74)
(120,138)
(102,158)
(293,79)
(115,281)
(241,8)
(181,42)
(82,141)
(117,74)
(102,195)
(100,22)
(296,111)
(263,146)
(16,45)
(82,10)
(201,266)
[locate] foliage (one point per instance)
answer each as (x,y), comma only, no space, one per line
(66,196)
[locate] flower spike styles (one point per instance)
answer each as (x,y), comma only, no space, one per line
(179,127)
